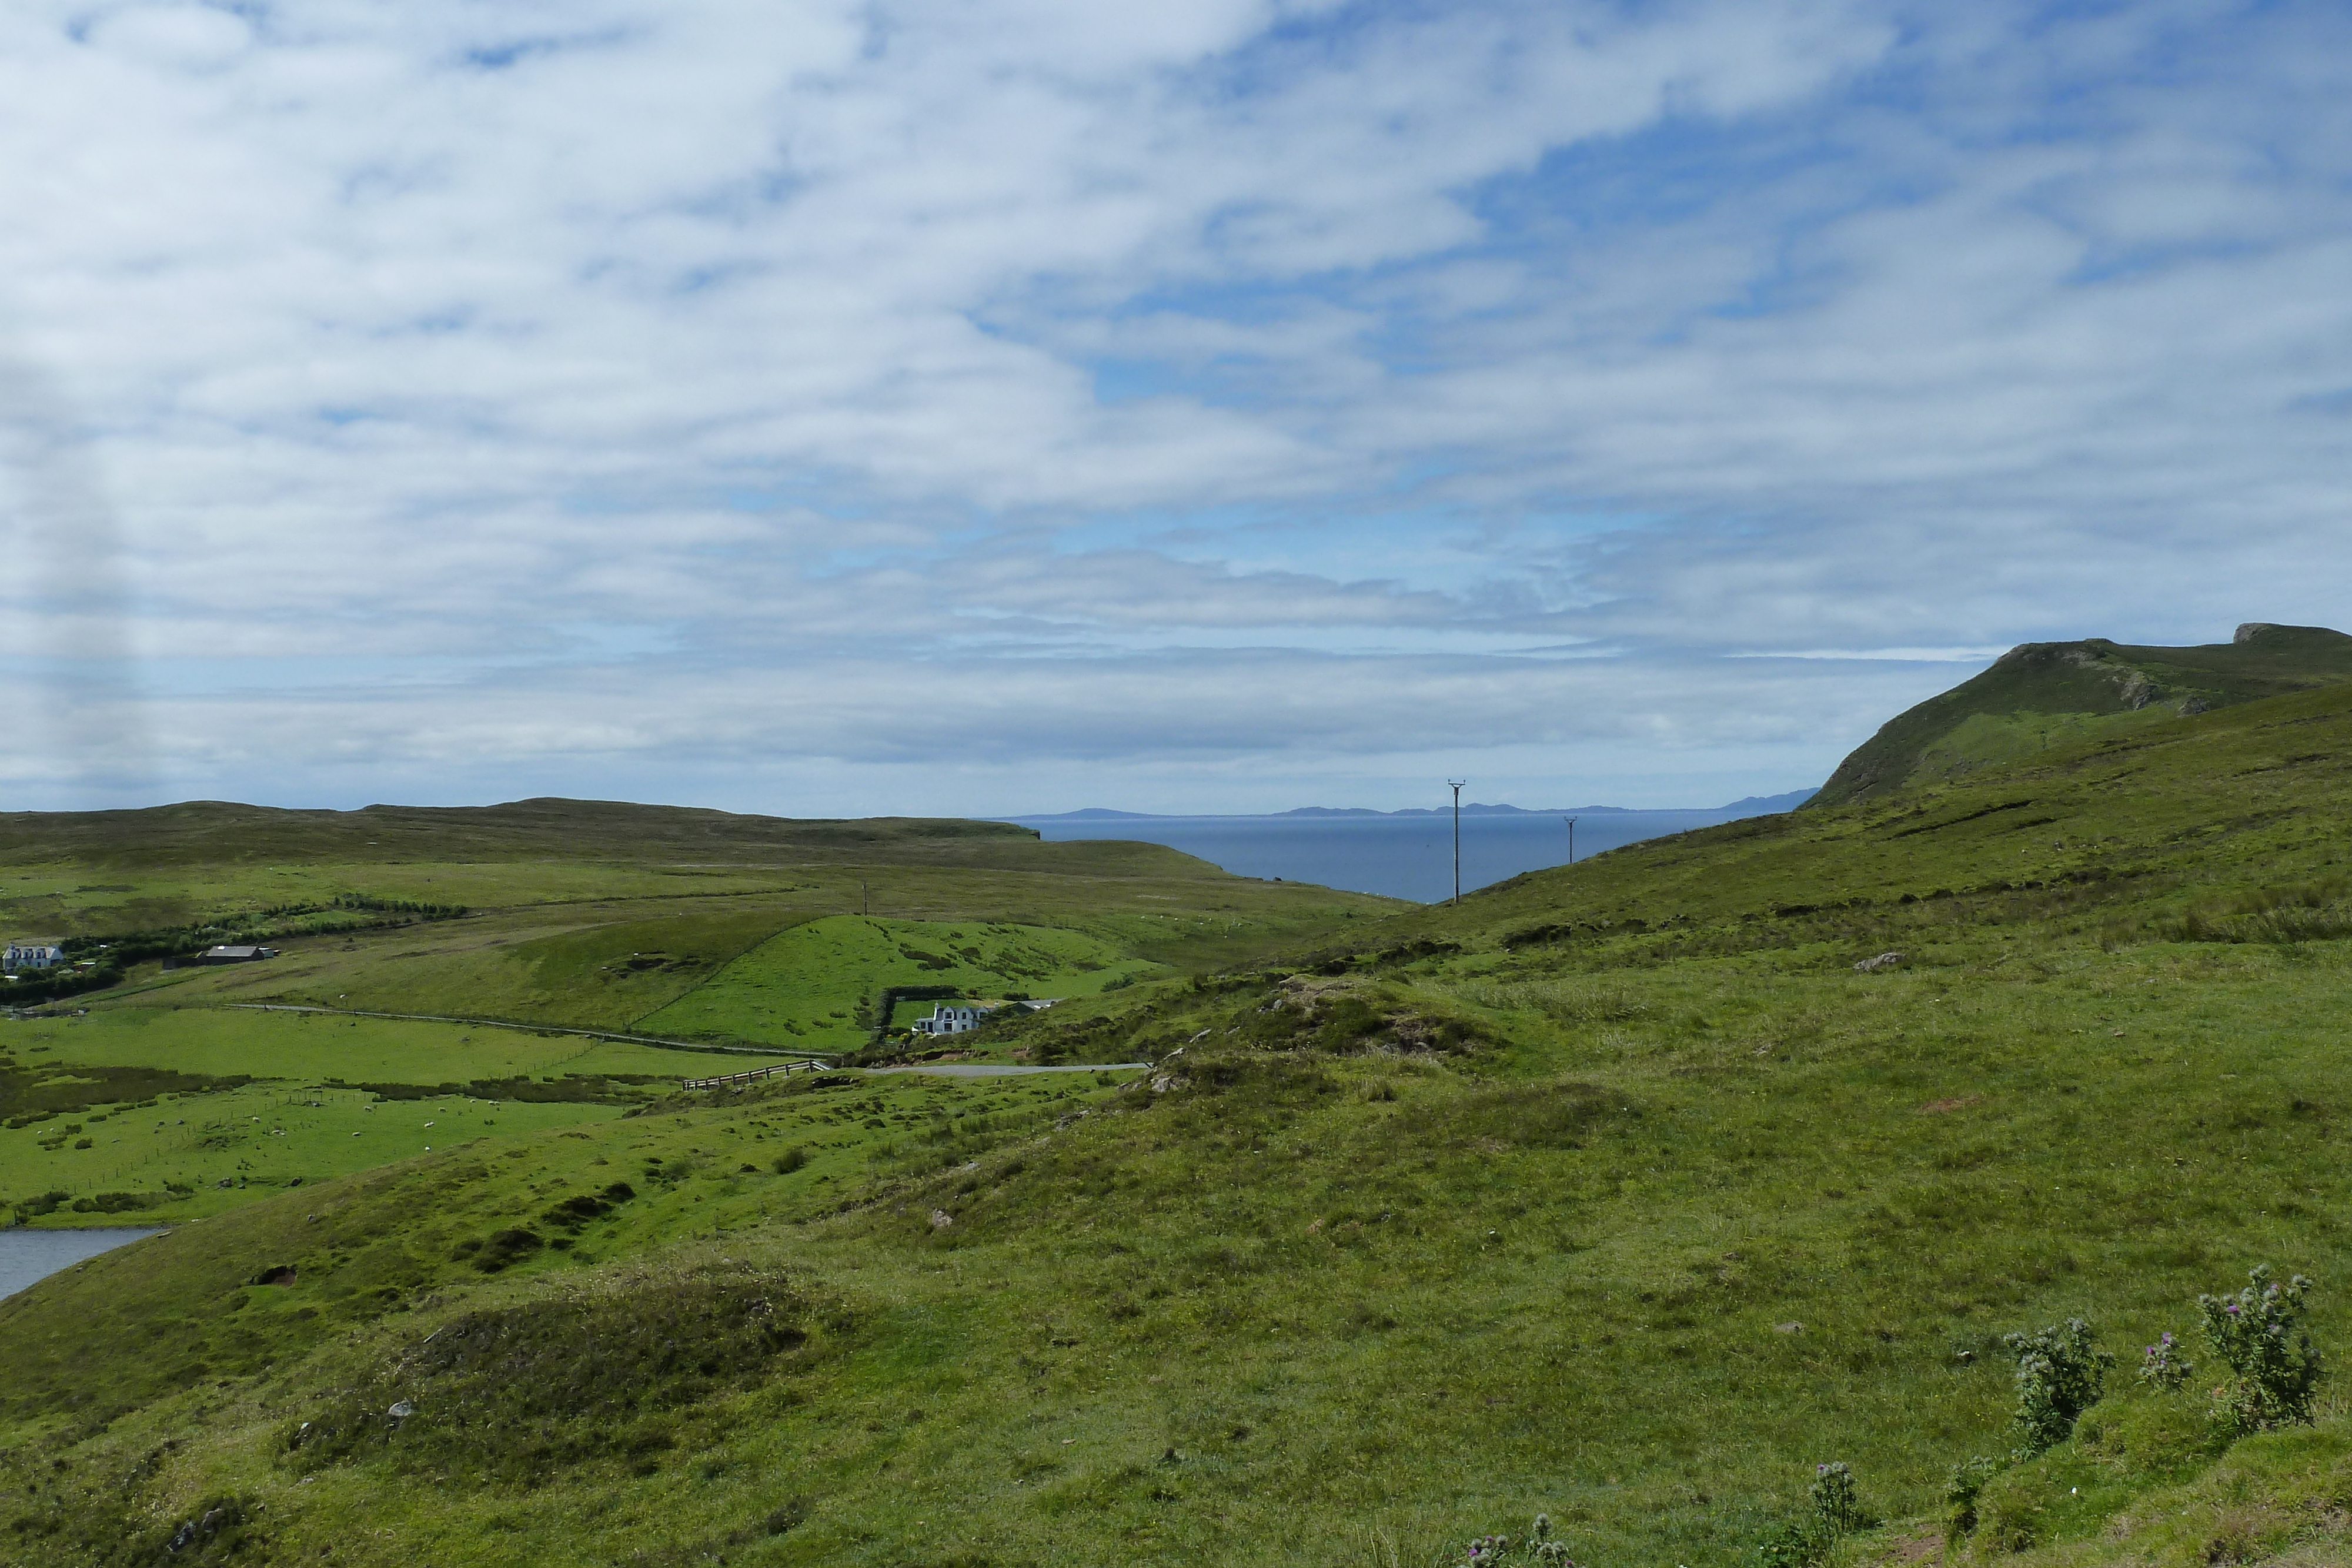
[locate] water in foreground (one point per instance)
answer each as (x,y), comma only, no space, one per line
(27,1256)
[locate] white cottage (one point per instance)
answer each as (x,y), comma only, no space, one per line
(946,1020)
(21,955)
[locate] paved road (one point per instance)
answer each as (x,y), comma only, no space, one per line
(991,1070)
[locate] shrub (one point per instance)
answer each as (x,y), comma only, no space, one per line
(1834,1509)
(2161,1366)
(2255,1333)
(1536,1546)
(117,1202)
(2061,1373)
(47,1203)
(1836,1506)
(791,1160)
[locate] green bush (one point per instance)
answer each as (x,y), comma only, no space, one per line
(47,1203)
(2255,1333)
(1833,1510)
(2161,1366)
(2061,1373)
(117,1202)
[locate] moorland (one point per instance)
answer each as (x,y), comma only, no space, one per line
(1630,1193)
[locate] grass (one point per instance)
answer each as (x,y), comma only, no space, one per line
(807,987)
(157,1095)
(1616,1192)
(589,946)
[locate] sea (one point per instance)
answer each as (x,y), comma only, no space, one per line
(1399,854)
(27,1256)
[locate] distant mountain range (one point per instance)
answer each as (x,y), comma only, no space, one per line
(1752,806)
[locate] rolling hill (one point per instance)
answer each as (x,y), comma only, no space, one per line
(2041,695)
(1622,1192)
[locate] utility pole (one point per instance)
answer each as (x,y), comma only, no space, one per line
(1457,784)
(864,909)
(1572,839)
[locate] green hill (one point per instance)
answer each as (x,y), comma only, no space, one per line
(2045,694)
(220,833)
(1618,1192)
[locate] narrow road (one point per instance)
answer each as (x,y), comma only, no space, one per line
(992,1070)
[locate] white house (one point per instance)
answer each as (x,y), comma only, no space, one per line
(24,955)
(946,1020)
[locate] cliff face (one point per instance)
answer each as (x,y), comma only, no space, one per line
(2040,694)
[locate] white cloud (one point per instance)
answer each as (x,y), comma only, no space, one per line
(1063,364)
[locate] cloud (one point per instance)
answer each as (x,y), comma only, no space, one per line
(1151,389)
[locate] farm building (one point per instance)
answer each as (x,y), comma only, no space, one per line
(234,953)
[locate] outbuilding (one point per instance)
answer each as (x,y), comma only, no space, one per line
(230,952)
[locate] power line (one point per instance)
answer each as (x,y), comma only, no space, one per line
(1457,784)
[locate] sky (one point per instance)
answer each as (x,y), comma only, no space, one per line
(988,406)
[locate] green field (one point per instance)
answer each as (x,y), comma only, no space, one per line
(574,915)
(619,932)
(805,986)
(169,1141)
(1616,1192)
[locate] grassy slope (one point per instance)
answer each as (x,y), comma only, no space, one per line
(1317,1301)
(584,914)
(2048,693)
(560,942)
(798,988)
(297,1124)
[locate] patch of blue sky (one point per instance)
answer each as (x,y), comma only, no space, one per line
(1118,381)
(514,51)
(2337,403)
(715,275)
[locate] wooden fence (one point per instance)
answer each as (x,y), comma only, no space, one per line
(758,1073)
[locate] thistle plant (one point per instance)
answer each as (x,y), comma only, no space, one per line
(2161,1366)
(1542,1548)
(1836,1507)
(2061,1373)
(2255,1333)
(1537,1546)
(1836,1510)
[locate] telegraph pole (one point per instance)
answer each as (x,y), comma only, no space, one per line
(1457,784)
(1572,839)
